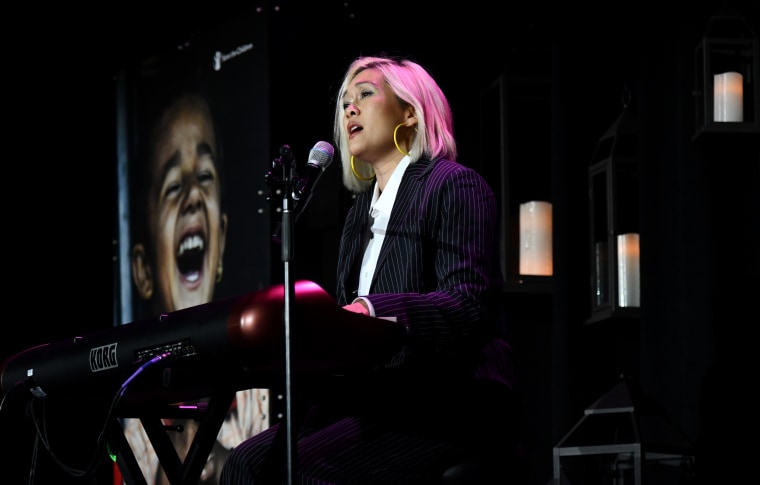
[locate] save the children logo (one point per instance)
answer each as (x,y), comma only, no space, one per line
(220,58)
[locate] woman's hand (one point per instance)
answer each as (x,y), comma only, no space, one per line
(357,307)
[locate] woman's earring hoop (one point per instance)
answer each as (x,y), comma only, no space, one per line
(396,141)
(356,174)
(219,271)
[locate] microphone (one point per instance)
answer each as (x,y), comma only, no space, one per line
(320,157)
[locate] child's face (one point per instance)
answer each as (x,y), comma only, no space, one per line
(186,223)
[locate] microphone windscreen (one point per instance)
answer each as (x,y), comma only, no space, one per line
(321,154)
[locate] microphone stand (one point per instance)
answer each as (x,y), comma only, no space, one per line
(286,240)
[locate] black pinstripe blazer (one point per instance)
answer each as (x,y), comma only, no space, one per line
(438,269)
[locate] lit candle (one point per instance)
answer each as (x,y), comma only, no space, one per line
(629,285)
(536,238)
(727,97)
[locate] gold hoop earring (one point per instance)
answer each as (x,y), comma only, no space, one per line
(395,142)
(219,271)
(356,174)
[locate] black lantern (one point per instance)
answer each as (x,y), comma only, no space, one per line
(614,221)
(727,77)
(624,437)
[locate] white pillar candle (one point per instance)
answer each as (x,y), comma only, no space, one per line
(629,279)
(536,238)
(727,97)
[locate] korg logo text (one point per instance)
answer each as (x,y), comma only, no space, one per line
(102,358)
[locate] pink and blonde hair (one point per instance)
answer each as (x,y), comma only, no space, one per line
(414,86)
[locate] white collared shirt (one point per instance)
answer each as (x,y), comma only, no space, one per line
(380,213)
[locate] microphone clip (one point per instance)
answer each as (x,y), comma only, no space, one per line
(282,175)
